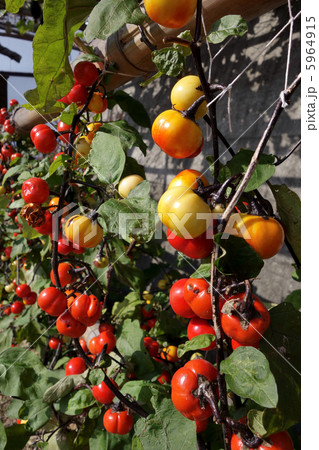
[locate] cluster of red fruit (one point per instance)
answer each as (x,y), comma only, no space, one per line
(4,118)
(28,297)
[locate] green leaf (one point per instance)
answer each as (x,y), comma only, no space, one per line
(17,437)
(109,16)
(132,167)
(166,429)
(248,375)
(130,342)
(52,44)
(6,340)
(100,440)
(186,51)
(232,25)
(82,398)
(294,298)
(3,437)
(68,114)
(169,61)
(264,170)
(204,271)
(12,171)
(13,6)
(60,161)
(127,134)
(36,412)
(131,106)
(20,247)
(167,325)
(25,25)
(238,257)
(289,209)
(196,343)
(282,347)
(62,388)
(127,307)
(29,232)
(107,158)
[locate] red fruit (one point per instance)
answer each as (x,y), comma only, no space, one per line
(197,152)
(68,326)
(147,313)
(151,322)
(15,155)
(44,139)
(7,251)
(64,127)
(277,441)
(17,307)
(52,301)
(78,94)
(46,228)
(85,308)
(13,102)
(197,295)
(7,311)
(23,290)
(58,154)
(54,343)
(31,298)
(75,366)
(36,129)
(118,422)
(6,151)
(65,276)
(64,246)
(197,248)
(9,129)
(106,327)
(96,344)
(151,346)
(201,425)
(164,378)
(236,344)
(35,190)
(83,345)
(197,327)
(177,300)
(102,393)
(85,73)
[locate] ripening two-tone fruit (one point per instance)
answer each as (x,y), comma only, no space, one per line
(128,183)
(170,14)
(185,92)
(83,231)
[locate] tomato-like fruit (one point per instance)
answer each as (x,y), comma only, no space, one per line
(17,307)
(83,147)
(188,178)
(185,382)
(52,301)
(68,326)
(85,73)
(265,236)
(9,128)
(177,300)
(92,128)
(106,327)
(54,343)
(65,275)
(236,344)
(197,295)
(128,183)
(96,344)
(44,139)
(151,322)
(46,228)
(78,94)
(147,312)
(100,262)
(98,103)
(102,393)
(169,353)
(30,299)
(85,308)
(277,441)
(6,151)
(75,366)
(176,135)
(15,156)
(83,345)
(13,102)
(64,246)
(185,92)
(238,328)
(184,212)
(151,346)
(201,425)
(196,248)
(164,378)
(7,311)
(64,127)
(197,327)
(118,422)
(35,190)
(170,14)
(23,290)
(81,230)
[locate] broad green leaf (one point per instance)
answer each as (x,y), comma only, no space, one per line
(20,247)
(60,161)
(27,231)
(294,298)
(187,35)
(25,25)
(130,343)
(14,407)
(52,44)
(12,171)
(238,257)
(166,429)
(82,398)
(142,391)
(127,307)
(167,325)
(131,106)
(196,343)
(36,412)
(109,16)
(264,170)
(132,167)
(68,114)
(13,6)
(169,61)
(62,388)
(127,134)
(5,340)
(3,437)
(232,25)
(248,375)
(204,271)
(101,440)
(107,158)
(289,209)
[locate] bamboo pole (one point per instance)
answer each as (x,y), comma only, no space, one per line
(133,57)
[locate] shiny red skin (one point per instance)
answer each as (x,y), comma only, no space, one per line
(106,327)
(85,73)
(31,298)
(64,274)
(86,309)
(64,127)
(52,301)
(7,311)
(151,346)
(36,129)
(7,251)
(6,151)
(184,382)
(232,327)
(164,378)
(54,343)
(196,248)
(147,313)
(23,290)
(197,327)
(236,344)
(201,425)
(102,393)
(277,441)
(64,246)
(58,154)
(46,228)
(13,102)
(17,307)
(96,344)
(9,129)
(35,190)
(177,300)
(15,155)
(44,139)
(75,366)
(83,345)
(68,326)
(78,94)
(197,296)
(118,422)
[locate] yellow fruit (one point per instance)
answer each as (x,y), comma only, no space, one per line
(81,230)
(185,92)
(83,147)
(128,183)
